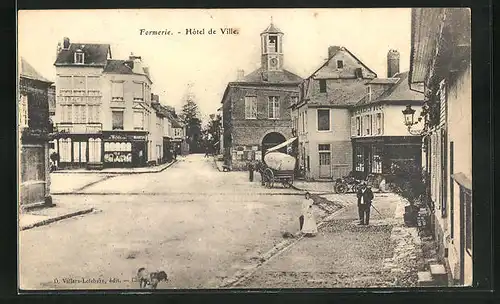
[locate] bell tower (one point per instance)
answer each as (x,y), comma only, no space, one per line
(271,48)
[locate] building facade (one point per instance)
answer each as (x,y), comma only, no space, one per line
(322,114)
(33,127)
(103,109)
(255,107)
(379,139)
(440,67)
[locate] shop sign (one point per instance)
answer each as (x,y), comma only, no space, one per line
(118,157)
(126,137)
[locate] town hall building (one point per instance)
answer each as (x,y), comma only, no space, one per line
(256,107)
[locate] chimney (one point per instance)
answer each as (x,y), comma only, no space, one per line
(66,43)
(137,63)
(59,47)
(392,63)
(332,50)
(240,75)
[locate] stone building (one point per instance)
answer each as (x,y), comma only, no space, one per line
(440,67)
(322,114)
(255,107)
(33,127)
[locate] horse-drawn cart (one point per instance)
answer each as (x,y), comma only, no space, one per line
(277,167)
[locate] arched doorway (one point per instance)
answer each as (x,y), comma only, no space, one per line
(272,139)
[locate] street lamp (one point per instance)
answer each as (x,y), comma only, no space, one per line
(409,120)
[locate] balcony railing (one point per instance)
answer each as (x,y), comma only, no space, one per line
(81,128)
(75,96)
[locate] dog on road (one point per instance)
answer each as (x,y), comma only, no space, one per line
(150,280)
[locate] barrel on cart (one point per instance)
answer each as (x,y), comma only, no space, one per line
(277,168)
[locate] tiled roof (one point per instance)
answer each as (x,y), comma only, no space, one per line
(27,71)
(117,67)
(261,76)
(95,54)
(272,29)
(399,91)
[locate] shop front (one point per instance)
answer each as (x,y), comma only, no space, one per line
(78,150)
(379,155)
(125,149)
(167,149)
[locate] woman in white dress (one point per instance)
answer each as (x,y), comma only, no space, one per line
(309,228)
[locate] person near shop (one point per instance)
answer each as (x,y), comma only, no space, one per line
(308,225)
(365,197)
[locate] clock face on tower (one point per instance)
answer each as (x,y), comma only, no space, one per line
(273,62)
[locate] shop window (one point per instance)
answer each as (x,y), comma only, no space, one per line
(359,161)
(65,150)
(377,159)
(323,120)
(117,120)
(33,164)
(94,150)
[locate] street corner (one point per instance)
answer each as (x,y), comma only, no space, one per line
(46,217)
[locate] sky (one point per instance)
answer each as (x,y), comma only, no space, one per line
(209,62)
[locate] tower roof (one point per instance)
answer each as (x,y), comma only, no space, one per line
(272,29)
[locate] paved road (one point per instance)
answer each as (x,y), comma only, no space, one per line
(197,224)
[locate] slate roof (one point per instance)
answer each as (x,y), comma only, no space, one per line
(95,54)
(117,67)
(158,108)
(340,96)
(259,76)
(271,28)
(27,71)
(399,91)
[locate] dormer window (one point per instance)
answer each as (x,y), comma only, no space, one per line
(340,64)
(79,57)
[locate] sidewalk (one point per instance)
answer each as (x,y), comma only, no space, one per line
(45,216)
(345,255)
(154,169)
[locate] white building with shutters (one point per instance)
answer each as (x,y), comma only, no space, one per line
(379,138)
(103,113)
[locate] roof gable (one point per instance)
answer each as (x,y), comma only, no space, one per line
(329,69)
(94,54)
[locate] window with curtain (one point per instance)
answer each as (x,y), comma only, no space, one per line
(377,159)
(250,107)
(359,161)
(378,124)
(323,119)
(117,120)
(138,120)
(274,107)
(117,91)
(138,91)
(65,149)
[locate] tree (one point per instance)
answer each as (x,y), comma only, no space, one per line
(212,131)
(190,117)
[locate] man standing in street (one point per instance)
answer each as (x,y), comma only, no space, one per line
(365,197)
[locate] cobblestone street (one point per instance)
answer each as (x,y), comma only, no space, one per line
(206,229)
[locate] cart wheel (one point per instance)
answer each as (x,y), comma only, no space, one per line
(287,184)
(341,188)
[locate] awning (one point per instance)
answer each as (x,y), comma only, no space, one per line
(283,144)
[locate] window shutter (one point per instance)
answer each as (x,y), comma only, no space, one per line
(381,123)
(374,124)
(353,126)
